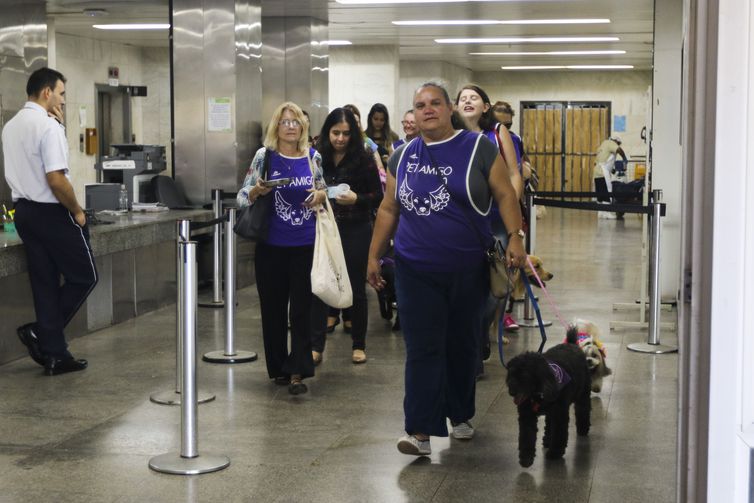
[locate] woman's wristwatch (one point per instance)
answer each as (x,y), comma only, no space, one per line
(518,232)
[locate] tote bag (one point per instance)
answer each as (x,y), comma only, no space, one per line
(329,275)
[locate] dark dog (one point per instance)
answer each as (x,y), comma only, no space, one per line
(386,296)
(547,384)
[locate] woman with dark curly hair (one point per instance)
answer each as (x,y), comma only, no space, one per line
(345,161)
(378,129)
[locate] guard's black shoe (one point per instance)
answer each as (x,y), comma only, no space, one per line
(56,366)
(29,339)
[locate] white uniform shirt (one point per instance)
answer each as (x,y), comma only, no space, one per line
(34,144)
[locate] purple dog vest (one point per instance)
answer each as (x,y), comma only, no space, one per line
(561,376)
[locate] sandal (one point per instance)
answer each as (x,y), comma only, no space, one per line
(335,323)
(347,326)
(282,380)
(297,387)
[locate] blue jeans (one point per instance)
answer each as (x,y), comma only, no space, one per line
(441,317)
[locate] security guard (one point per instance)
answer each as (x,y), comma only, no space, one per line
(48,220)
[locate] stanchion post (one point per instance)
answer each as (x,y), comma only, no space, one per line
(653,338)
(188,461)
(217,253)
(230,355)
(173,397)
(530,321)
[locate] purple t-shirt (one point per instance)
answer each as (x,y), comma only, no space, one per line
(444,200)
(291,223)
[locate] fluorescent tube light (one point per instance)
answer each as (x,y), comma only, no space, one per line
(333,42)
(548,53)
(366,2)
(134,26)
(570,67)
(460,22)
(524,40)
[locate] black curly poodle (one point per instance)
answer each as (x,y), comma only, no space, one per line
(547,384)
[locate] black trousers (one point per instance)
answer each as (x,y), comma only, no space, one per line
(283,277)
(355,238)
(55,246)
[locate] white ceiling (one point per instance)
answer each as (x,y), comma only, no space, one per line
(631,21)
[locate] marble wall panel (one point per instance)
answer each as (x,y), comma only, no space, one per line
(363,76)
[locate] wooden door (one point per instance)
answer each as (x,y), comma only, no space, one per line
(561,139)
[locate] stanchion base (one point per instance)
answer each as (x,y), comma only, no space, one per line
(221,357)
(175,464)
(645,347)
(212,303)
(533,323)
(172,397)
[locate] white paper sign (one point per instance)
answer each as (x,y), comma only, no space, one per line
(219,115)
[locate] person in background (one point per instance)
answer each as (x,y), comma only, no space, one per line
(49,221)
(440,189)
(504,114)
(409,129)
(333,319)
(378,129)
(476,110)
(346,161)
(604,166)
(283,262)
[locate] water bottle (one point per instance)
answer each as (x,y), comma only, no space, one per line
(123,198)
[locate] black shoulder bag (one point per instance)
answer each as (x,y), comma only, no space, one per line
(254,220)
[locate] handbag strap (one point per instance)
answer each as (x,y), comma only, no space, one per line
(266,163)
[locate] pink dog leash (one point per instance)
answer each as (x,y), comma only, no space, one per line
(549,299)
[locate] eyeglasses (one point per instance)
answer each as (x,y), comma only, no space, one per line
(408,123)
(289,123)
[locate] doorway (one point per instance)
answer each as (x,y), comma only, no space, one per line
(113,118)
(561,139)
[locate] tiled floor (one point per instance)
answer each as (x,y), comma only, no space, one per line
(88,436)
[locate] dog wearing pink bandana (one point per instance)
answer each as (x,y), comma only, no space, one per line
(586,335)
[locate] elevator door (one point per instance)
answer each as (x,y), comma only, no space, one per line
(561,139)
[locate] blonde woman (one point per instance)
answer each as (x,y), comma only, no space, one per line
(283,262)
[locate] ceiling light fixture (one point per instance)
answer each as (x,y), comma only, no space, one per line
(524,40)
(460,22)
(347,2)
(95,12)
(333,42)
(548,53)
(570,67)
(134,26)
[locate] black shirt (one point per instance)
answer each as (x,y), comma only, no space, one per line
(362,176)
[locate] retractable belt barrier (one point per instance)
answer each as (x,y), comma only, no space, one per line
(218,196)
(188,461)
(229,354)
(655,210)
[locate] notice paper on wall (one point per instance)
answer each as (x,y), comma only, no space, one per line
(219,118)
(619,123)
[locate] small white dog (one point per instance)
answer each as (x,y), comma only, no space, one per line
(586,335)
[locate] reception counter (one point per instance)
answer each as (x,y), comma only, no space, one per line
(135,256)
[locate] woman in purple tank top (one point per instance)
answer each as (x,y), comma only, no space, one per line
(283,262)
(440,188)
(474,106)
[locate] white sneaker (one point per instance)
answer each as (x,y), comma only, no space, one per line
(462,431)
(409,444)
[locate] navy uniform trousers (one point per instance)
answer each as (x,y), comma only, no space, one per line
(441,318)
(56,246)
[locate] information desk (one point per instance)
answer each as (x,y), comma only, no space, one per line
(135,257)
